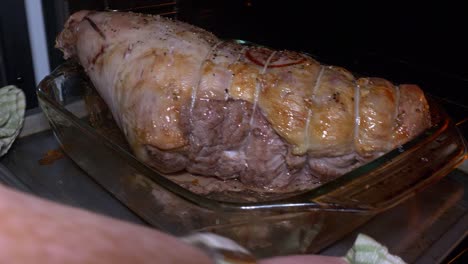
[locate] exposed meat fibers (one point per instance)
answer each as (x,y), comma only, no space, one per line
(186,100)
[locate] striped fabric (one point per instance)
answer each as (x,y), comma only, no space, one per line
(368,251)
(12,108)
(222,250)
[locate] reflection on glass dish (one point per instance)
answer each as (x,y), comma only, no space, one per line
(299,222)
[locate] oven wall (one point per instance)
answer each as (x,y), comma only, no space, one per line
(405,43)
(15,53)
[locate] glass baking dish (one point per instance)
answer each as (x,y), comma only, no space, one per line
(302,223)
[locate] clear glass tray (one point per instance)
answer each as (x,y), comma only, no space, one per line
(299,223)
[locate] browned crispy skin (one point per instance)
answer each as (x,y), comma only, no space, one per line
(169,85)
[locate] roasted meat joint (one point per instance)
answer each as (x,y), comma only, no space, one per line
(270,119)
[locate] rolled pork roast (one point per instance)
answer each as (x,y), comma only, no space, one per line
(188,101)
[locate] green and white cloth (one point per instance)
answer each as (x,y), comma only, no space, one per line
(12,108)
(368,251)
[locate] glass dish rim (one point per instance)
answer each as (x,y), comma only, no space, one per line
(302,200)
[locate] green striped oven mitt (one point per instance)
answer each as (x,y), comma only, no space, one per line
(368,251)
(12,107)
